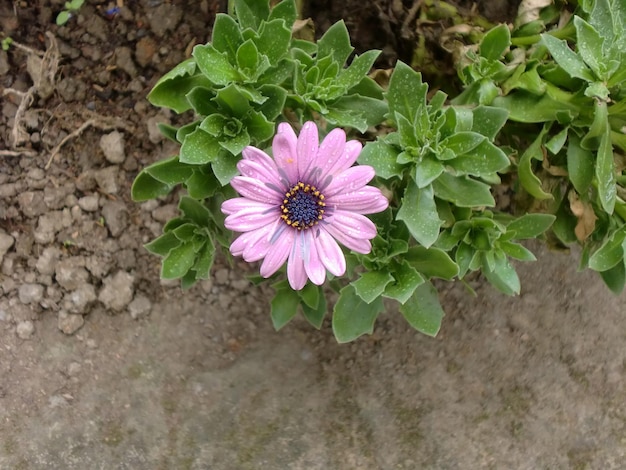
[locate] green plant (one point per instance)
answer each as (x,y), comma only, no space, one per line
(71,8)
(544,115)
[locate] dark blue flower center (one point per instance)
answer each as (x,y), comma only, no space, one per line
(303,206)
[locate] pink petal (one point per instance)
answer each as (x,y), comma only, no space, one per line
(256,190)
(254,154)
(258,250)
(278,251)
(367,200)
(331,150)
(250,244)
(359,245)
(295,266)
(312,263)
(260,171)
(329,252)
(352,224)
(308,143)
(350,180)
(236,204)
(284,150)
(250,219)
(351,152)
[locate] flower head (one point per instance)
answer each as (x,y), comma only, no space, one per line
(296,206)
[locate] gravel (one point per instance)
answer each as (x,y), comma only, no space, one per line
(115,217)
(6,242)
(112,146)
(30,293)
(25,329)
(106,178)
(69,323)
(71,274)
(117,292)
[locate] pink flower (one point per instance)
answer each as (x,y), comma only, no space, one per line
(296,206)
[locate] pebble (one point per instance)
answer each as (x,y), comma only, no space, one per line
(106,178)
(32,203)
(118,291)
(70,273)
(145,48)
(78,300)
(221,276)
(89,203)
(69,323)
(4,63)
(140,307)
(30,293)
(115,217)
(112,146)
(6,242)
(25,329)
(51,223)
(48,259)
(124,61)
(165,213)
(74,368)
(55,197)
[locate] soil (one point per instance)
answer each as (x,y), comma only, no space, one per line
(104,366)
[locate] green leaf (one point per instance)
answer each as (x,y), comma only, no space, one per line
(590,47)
(226,36)
(352,317)
(370,110)
(427,171)
(488,120)
(517,251)
(315,315)
(335,43)
(248,58)
(273,41)
(605,174)
(215,65)
(610,253)
(147,187)
(484,160)
(233,99)
(172,89)
(194,210)
(580,164)
(202,183)
(371,284)
(204,260)
(198,148)
(432,262)
(406,93)
(169,171)
(502,276)
(273,106)
(599,127)
(225,167)
(567,58)
(530,225)
(63,17)
(462,142)
(406,280)
(495,42)
(178,261)
(236,144)
(284,306)
(382,157)
(285,10)
(527,107)
(615,278)
(310,295)
(423,310)
(529,180)
(251,12)
(419,213)
(259,128)
(163,244)
(359,68)
(463,191)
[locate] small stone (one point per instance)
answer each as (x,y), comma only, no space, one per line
(154,133)
(4,63)
(144,50)
(140,307)
(124,61)
(106,178)
(69,323)
(221,276)
(79,300)
(70,273)
(240,284)
(55,197)
(89,203)
(115,217)
(47,226)
(118,291)
(32,203)
(48,259)
(74,369)
(6,242)
(112,146)
(25,329)
(30,293)
(165,213)
(86,181)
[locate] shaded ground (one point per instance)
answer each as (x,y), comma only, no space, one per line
(103,366)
